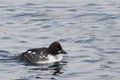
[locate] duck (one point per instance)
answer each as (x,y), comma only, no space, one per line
(50,54)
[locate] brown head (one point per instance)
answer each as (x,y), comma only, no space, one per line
(55,48)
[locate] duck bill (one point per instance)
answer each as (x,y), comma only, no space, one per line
(62,52)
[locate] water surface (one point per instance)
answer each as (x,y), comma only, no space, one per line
(89,32)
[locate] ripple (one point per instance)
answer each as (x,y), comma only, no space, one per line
(83,56)
(10,10)
(72,10)
(92,4)
(111,62)
(46,26)
(22,79)
(10,23)
(85,41)
(4,6)
(5,56)
(103,66)
(40,19)
(44,37)
(92,61)
(30,4)
(6,38)
(29,14)
(23,41)
(92,14)
(4,52)
(109,16)
(62,40)
(115,35)
(57,6)
(111,52)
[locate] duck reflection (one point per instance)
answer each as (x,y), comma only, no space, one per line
(54,68)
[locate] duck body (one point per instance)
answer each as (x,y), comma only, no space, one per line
(44,55)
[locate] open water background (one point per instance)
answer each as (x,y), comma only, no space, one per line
(89,31)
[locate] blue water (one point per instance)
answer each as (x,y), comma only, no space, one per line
(89,31)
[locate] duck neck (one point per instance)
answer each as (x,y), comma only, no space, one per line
(53,52)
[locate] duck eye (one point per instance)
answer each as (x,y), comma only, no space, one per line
(57,48)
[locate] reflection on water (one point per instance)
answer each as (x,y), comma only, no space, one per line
(46,70)
(55,67)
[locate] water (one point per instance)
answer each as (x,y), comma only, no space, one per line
(89,31)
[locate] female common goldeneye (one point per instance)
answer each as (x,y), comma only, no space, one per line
(44,55)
